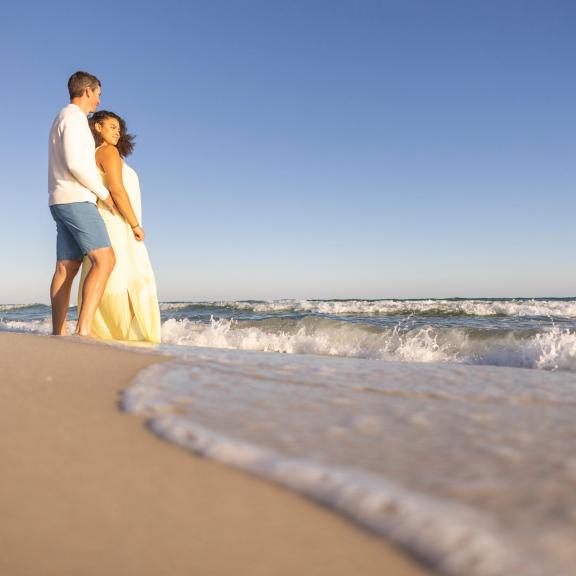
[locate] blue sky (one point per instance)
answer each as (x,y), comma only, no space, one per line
(311,148)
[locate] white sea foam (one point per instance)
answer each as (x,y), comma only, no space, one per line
(532,307)
(424,454)
(338,339)
(169,306)
(451,537)
(32,326)
(552,349)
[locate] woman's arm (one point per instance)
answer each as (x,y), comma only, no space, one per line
(109,160)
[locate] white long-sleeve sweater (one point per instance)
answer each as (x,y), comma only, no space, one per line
(72,172)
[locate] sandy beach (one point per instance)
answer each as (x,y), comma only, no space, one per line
(87,489)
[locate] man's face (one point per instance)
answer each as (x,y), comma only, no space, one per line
(93,97)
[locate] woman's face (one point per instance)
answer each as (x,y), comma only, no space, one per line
(109,129)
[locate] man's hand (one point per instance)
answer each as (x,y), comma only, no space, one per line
(138,233)
(109,203)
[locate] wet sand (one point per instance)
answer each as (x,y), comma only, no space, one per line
(86,489)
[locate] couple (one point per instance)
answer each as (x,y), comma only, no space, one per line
(94,197)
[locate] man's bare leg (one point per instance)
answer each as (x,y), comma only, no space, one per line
(60,288)
(103,261)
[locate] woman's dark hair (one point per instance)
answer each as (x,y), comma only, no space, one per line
(125,144)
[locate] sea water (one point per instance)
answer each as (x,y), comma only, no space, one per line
(527,333)
(446,425)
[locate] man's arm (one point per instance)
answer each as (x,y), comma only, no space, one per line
(76,161)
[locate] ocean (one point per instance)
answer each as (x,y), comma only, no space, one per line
(528,333)
(447,426)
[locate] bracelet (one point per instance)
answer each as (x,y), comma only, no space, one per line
(135,226)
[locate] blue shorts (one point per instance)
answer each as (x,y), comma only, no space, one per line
(80,229)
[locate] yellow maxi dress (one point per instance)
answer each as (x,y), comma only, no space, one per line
(132,282)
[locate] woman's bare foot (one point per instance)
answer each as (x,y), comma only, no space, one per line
(90,335)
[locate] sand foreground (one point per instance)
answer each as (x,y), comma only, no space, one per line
(86,489)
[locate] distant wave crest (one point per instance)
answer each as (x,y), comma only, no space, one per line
(13,307)
(520,307)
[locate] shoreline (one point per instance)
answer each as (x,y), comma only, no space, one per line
(87,489)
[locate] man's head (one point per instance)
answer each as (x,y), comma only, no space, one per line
(84,90)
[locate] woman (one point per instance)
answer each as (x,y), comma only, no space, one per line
(129,307)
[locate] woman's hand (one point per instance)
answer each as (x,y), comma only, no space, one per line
(138,233)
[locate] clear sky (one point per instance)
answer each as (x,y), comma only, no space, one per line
(311,148)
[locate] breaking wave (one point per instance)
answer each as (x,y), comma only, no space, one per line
(550,349)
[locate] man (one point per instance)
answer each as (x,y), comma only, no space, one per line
(74,186)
